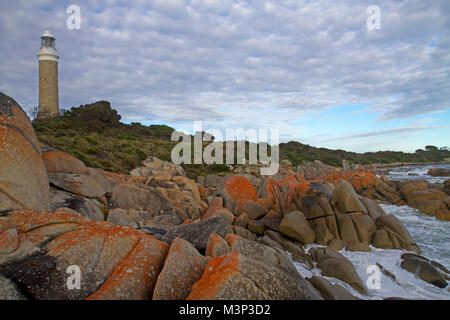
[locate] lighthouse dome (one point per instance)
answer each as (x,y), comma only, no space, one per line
(47,34)
(48,51)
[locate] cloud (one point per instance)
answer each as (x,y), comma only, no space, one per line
(376,133)
(235,63)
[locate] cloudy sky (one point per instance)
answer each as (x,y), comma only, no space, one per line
(312,69)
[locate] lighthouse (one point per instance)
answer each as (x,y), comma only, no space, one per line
(48,77)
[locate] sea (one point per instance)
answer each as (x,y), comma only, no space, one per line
(431,235)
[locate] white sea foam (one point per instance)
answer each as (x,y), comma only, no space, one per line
(433,238)
(419,172)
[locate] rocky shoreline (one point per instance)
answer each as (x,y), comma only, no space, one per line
(156,234)
(399,164)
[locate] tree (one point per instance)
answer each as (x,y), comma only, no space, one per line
(431,148)
(95,115)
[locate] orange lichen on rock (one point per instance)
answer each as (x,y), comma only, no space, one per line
(203,193)
(217,272)
(238,187)
(183,267)
(24,181)
(25,220)
(115,177)
(273,214)
(299,186)
(231,238)
(187,221)
(216,209)
(60,162)
(136,276)
(302,188)
(333,177)
(362,180)
(226,214)
(216,246)
(266,203)
(217,203)
(203,207)
(78,237)
(9,241)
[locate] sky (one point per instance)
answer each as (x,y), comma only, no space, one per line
(311,69)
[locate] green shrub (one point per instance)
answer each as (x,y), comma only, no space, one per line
(165,157)
(141,154)
(220,167)
(90,139)
(92,151)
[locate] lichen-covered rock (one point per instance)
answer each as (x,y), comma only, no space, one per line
(183,267)
(167,219)
(256,226)
(268,241)
(245,233)
(79,184)
(135,277)
(90,208)
(114,262)
(56,161)
(101,178)
(217,246)
(127,195)
(213,211)
(212,180)
(242,220)
(238,277)
(129,218)
(169,198)
(236,188)
(272,224)
(260,252)
(198,233)
(28,231)
(253,209)
(154,166)
(24,181)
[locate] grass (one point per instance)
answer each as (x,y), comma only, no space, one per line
(95,135)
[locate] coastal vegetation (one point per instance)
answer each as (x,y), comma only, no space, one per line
(95,134)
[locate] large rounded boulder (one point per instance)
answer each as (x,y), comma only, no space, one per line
(24,181)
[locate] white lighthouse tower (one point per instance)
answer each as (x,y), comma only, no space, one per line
(48,77)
